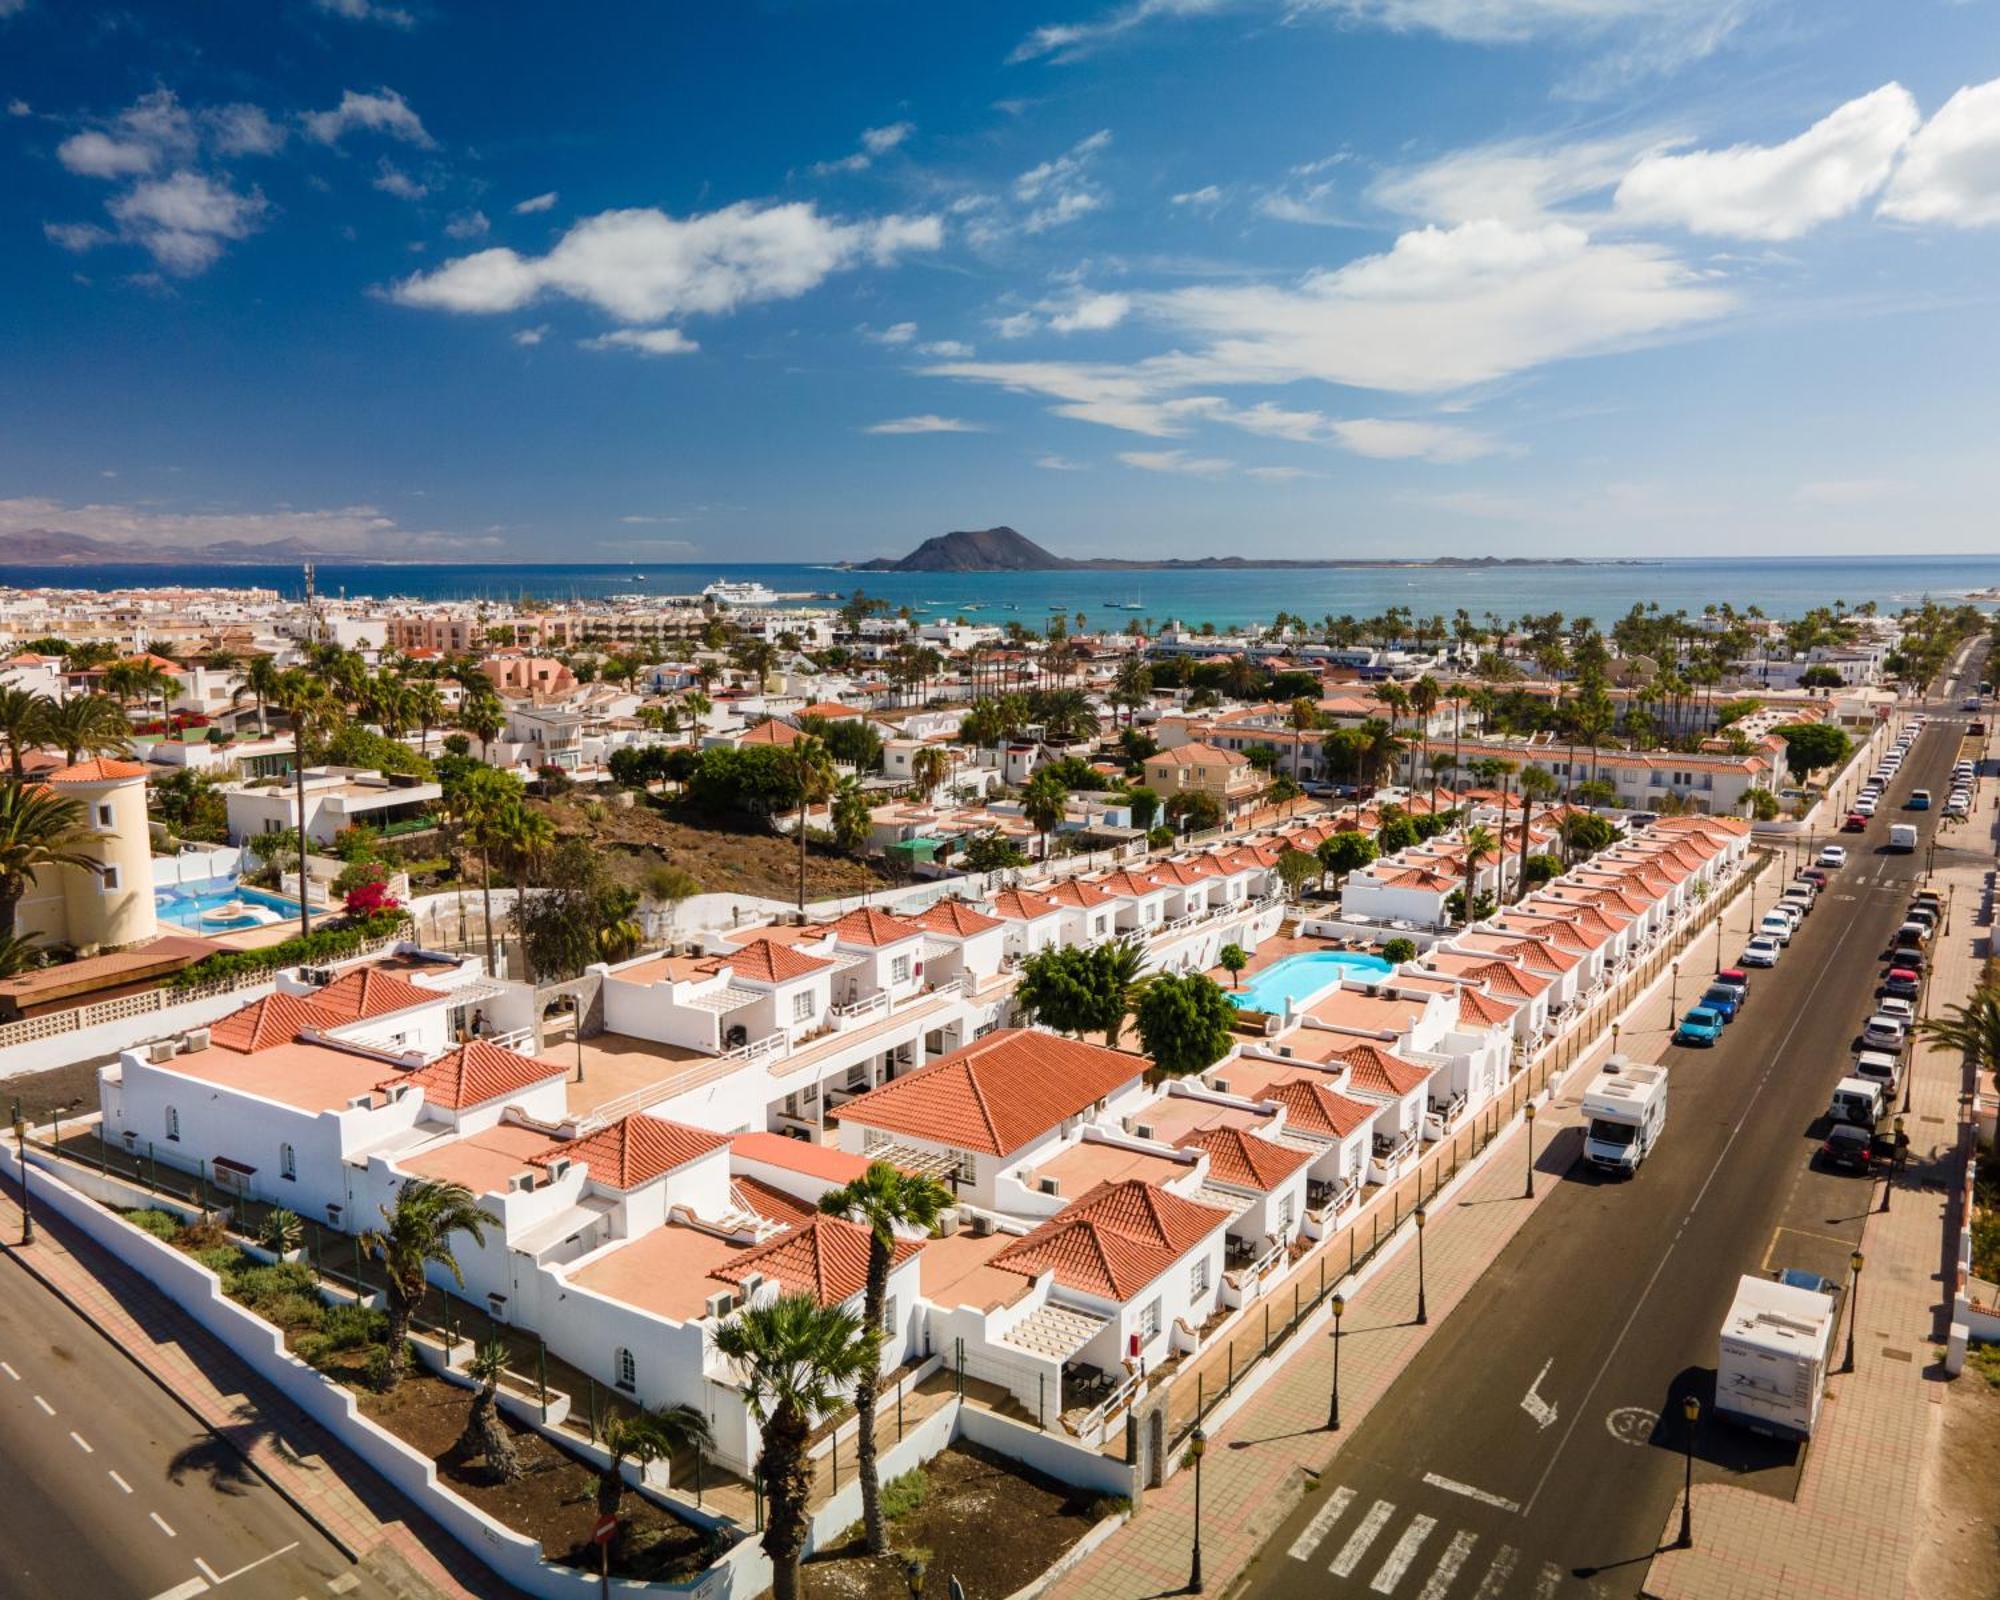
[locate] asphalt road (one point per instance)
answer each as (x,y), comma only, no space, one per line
(1535,1447)
(110,1491)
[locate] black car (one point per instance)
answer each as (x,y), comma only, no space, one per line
(1848,1149)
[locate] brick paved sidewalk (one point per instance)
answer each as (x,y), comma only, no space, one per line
(393,1542)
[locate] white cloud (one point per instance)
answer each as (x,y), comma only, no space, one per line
(368,11)
(880,141)
(1513,181)
(1091,313)
(945,349)
(1278,474)
(531,336)
(19,108)
(1017,325)
(648,522)
(468,225)
(1060,190)
(1951,171)
(929,422)
(896,333)
(1204,197)
(643,265)
(1177,461)
(92,154)
(1777,191)
(1273,421)
(537,202)
(1387,440)
(1702,23)
(185,220)
(1068,42)
(647,341)
(76,236)
(391,179)
(385,112)
(1060,464)
(351,530)
(244,130)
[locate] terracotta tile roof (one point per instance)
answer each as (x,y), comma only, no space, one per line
(474,1073)
(274,1020)
(772,732)
(1115,1240)
(825,1257)
(997,1093)
(1244,1161)
(1314,1108)
(1082,894)
(637,1149)
(370,992)
(1378,1072)
(1131,884)
(1017,905)
(954,919)
(832,710)
(874,928)
(99,769)
(1200,755)
(1185,872)
(770,1202)
(1483,1009)
(770,961)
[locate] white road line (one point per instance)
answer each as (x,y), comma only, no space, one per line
(82,1443)
(1405,1552)
(273,1556)
(1485,1497)
(51,1410)
(121,1482)
(1322,1524)
(1498,1574)
(1446,1570)
(1360,1539)
(184,1591)
(10,1372)
(165,1526)
(207,1571)
(1552,1576)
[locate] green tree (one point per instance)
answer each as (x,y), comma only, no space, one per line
(883,1199)
(1079,989)
(1295,867)
(1397,832)
(23,716)
(1971,1028)
(1044,803)
(417,1236)
(1194,810)
(1537,870)
(1821,677)
(640,1437)
(485,1434)
(1233,958)
(796,1358)
(1346,851)
(1145,804)
(260,684)
(1811,746)
(38,831)
(86,725)
(580,913)
(1398,951)
(1480,847)
(1586,834)
(1536,785)
(483,805)
(810,766)
(853,821)
(1184,1022)
(991,851)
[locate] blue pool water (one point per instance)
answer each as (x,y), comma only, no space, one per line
(1295,977)
(187,907)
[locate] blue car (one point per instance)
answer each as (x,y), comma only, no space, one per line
(1724,998)
(1702,1025)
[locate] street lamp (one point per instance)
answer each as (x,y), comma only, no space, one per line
(1853,1309)
(21,1145)
(1423,1308)
(1691,1410)
(1674,991)
(1531,1151)
(1197,1447)
(1333,1405)
(1719,916)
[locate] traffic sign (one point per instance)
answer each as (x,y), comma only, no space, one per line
(605,1529)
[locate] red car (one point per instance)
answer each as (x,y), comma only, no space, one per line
(1855,823)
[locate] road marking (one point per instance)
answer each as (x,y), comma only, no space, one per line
(207,1571)
(1485,1497)
(1632,1425)
(165,1526)
(1552,1576)
(51,1410)
(273,1556)
(1498,1574)
(1392,1570)
(121,1483)
(343,1584)
(1443,1574)
(1321,1525)
(10,1372)
(82,1443)
(1543,1411)
(184,1591)
(1360,1539)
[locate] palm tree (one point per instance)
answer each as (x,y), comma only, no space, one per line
(482,716)
(814,777)
(260,683)
(86,725)
(929,767)
(483,803)
(1121,969)
(697,705)
(1536,784)
(1303,715)
(23,716)
(418,1236)
(305,700)
(796,1357)
(426,709)
(852,818)
(641,1437)
(1424,697)
(1044,803)
(485,1434)
(1972,1029)
(882,1199)
(38,830)
(1480,847)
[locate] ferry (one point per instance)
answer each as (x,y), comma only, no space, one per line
(750,593)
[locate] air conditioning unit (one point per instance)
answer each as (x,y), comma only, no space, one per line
(1142,1130)
(752,1282)
(1048,1186)
(521,1183)
(721,1303)
(1284,1050)
(196,1039)
(318,977)
(982,1225)
(1221,1086)
(558,1168)
(165,1049)
(948,1223)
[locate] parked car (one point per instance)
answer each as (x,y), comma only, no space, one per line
(1879,1066)
(1833,855)
(1911,934)
(1883,1032)
(1902,983)
(1855,823)
(1760,952)
(1799,897)
(1734,978)
(1816,876)
(1864,806)
(1858,1101)
(1700,1026)
(1902,1010)
(1776,925)
(1725,998)
(1848,1148)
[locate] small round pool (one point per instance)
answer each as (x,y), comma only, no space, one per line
(1296,977)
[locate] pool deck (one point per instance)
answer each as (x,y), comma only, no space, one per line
(1279,947)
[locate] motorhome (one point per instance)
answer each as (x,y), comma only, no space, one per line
(1626,1108)
(1771,1372)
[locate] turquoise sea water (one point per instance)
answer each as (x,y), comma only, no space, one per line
(1783,587)
(1295,977)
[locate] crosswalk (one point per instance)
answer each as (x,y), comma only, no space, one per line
(1389,1550)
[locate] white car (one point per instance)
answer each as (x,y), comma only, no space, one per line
(1865,806)
(1901,1010)
(1775,925)
(1759,952)
(1832,855)
(1958,806)
(1883,1032)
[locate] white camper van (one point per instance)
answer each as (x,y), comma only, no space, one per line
(1772,1368)
(1627,1110)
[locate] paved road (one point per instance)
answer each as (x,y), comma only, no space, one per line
(1524,1452)
(113,1492)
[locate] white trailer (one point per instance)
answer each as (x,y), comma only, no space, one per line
(1772,1369)
(1626,1108)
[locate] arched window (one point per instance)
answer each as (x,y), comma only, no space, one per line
(288,1162)
(173,1122)
(628,1370)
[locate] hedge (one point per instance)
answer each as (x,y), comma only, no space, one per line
(321,945)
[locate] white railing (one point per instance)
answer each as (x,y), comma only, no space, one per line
(513,1039)
(772,1044)
(1091,1429)
(856,1009)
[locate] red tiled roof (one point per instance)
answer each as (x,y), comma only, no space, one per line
(1244,1161)
(825,1257)
(772,732)
(771,962)
(1379,1072)
(1314,1108)
(1017,905)
(1081,893)
(1115,1240)
(770,1202)
(474,1073)
(99,769)
(954,919)
(997,1093)
(637,1149)
(1483,1009)
(370,992)
(274,1020)
(874,928)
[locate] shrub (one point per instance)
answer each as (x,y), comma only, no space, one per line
(378,1371)
(903,1495)
(219,1258)
(1400,950)
(349,1326)
(260,1286)
(282,1231)
(204,1233)
(316,948)
(295,1312)
(160,1224)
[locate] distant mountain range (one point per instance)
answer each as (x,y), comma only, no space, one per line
(1004,550)
(54,547)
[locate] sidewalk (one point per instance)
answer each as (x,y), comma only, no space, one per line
(388,1538)
(1852,1532)
(1256,1465)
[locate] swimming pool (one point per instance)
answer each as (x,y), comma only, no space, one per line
(1295,977)
(215,907)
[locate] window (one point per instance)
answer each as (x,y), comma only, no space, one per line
(889,1315)
(1285,1216)
(288,1163)
(104,817)
(1198,1277)
(802,1005)
(111,878)
(899,970)
(627,1370)
(1149,1322)
(173,1122)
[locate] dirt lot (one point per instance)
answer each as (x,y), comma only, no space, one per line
(984,1519)
(1958,1547)
(68,1088)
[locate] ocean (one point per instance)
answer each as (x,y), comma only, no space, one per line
(1783,587)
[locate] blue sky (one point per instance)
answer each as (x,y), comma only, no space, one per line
(813,280)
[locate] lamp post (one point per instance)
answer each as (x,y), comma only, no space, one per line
(1197,1447)
(1719,918)
(1673,990)
(1423,1307)
(21,1146)
(576,1013)
(1853,1309)
(1616,1029)
(1531,1152)
(1691,1410)
(1333,1404)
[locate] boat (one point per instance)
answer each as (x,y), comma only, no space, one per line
(748,593)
